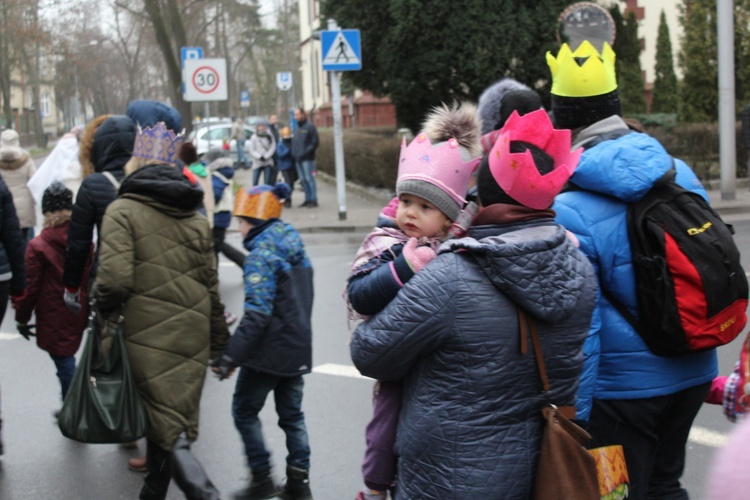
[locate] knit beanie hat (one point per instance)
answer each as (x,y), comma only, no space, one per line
(584,85)
(501,98)
(529,163)
(260,203)
(57,197)
(438,163)
(9,139)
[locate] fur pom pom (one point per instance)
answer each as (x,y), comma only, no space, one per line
(460,121)
(282,190)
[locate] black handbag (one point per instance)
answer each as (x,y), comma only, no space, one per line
(103,404)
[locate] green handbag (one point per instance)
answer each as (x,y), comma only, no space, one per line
(103,404)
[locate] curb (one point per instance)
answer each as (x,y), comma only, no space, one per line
(379,195)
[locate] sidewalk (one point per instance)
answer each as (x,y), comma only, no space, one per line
(362,208)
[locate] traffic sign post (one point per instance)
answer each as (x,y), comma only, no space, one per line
(205,80)
(245,99)
(341,51)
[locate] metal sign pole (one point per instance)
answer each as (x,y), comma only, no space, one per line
(338,143)
(727,152)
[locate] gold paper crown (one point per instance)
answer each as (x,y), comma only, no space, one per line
(583,73)
(257,203)
(157,143)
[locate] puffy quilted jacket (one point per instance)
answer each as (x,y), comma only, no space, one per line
(157,260)
(111,148)
(470,424)
(12,245)
(611,174)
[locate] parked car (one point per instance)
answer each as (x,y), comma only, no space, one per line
(211,135)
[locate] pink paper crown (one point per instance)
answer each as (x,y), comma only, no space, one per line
(516,173)
(440,164)
(157,143)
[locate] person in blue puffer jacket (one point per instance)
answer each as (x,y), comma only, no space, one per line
(629,395)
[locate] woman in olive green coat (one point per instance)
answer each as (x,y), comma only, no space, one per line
(156,258)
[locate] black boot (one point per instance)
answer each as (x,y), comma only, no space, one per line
(158,473)
(261,486)
(297,485)
(189,474)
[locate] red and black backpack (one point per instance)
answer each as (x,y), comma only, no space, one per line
(692,291)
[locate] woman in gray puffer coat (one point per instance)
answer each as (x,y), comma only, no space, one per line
(470,424)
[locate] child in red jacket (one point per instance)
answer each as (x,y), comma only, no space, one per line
(58,331)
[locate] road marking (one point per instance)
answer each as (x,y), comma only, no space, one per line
(339,370)
(8,336)
(707,437)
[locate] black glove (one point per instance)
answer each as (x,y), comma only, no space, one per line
(26,330)
(223,366)
(262,158)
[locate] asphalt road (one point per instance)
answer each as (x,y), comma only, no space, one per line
(40,463)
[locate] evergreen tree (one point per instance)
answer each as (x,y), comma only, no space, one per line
(698,60)
(664,97)
(627,47)
(423,53)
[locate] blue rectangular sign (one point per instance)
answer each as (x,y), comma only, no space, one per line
(341,50)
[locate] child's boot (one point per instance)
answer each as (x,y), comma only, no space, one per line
(297,485)
(261,486)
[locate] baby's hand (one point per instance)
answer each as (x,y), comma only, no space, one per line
(417,257)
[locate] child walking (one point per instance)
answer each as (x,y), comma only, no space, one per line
(58,330)
(273,343)
(433,177)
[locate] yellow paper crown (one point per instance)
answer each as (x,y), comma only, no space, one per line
(583,73)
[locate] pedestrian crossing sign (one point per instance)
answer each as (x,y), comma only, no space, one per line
(341,50)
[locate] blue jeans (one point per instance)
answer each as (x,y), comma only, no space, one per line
(305,171)
(66,368)
(268,172)
(250,395)
(241,154)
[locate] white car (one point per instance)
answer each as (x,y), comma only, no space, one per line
(206,136)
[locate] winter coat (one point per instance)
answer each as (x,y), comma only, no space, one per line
(221,178)
(157,261)
(611,174)
(12,244)
(17,168)
(284,155)
(110,149)
(470,424)
(261,149)
(275,334)
(58,330)
(305,141)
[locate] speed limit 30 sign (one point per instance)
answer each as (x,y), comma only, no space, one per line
(206,80)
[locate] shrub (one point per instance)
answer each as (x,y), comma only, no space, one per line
(370,156)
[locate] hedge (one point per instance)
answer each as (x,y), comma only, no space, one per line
(371,154)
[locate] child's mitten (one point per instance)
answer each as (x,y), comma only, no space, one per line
(417,257)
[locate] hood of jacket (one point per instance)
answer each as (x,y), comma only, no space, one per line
(112,144)
(56,237)
(163,187)
(13,158)
(531,263)
(624,168)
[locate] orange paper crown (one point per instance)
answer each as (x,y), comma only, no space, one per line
(258,202)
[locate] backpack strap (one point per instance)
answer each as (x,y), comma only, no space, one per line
(112,179)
